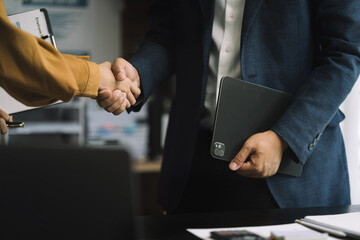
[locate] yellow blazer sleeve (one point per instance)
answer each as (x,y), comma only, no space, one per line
(36,74)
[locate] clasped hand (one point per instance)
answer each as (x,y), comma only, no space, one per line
(119,86)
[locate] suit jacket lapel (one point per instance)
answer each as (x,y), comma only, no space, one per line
(207,10)
(250,11)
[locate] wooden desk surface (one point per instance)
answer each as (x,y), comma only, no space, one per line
(142,166)
(173,227)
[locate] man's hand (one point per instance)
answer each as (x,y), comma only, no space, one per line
(129,76)
(128,81)
(3,118)
(113,102)
(107,79)
(263,152)
(106,86)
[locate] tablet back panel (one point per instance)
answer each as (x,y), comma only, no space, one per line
(244,109)
(65,194)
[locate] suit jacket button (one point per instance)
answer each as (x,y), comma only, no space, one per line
(311,146)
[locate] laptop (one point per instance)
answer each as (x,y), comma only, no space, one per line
(244,109)
(66,194)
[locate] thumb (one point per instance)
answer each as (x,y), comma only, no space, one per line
(118,69)
(120,76)
(103,94)
(240,158)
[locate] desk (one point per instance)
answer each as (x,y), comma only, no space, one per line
(173,227)
(146,166)
(147,173)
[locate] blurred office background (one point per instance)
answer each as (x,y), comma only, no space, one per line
(114,28)
(104,30)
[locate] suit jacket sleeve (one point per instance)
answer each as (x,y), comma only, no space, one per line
(155,58)
(35,73)
(336,68)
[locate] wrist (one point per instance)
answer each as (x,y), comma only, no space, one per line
(284,145)
(107,80)
(101,82)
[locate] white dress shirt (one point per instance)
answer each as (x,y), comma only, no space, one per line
(225,50)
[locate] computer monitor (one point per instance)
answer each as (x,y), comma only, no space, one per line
(66,194)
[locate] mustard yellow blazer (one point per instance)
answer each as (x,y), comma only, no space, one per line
(35,73)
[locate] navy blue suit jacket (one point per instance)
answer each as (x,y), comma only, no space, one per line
(309,48)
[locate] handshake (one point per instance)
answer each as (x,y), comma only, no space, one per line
(119,86)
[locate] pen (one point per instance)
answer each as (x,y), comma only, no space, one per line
(52,39)
(321,228)
(15,124)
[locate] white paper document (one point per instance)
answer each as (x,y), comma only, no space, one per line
(347,222)
(263,231)
(34,22)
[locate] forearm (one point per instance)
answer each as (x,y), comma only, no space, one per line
(35,73)
(155,59)
(154,64)
(335,71)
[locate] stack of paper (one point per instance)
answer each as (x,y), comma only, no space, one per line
(348,223)
(263,231)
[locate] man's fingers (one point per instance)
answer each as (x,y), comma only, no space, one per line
(135,90)
(116,105)
(127,103)
(131,98)
(107,102)
(103,94)
(4,115)
(121,109)
(128,79)
(240,158)
(248,169)
(120,76)
(132,92)
(3,127)
(113,102)
(3,118)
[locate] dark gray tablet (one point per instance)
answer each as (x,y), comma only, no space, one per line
(244,109)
